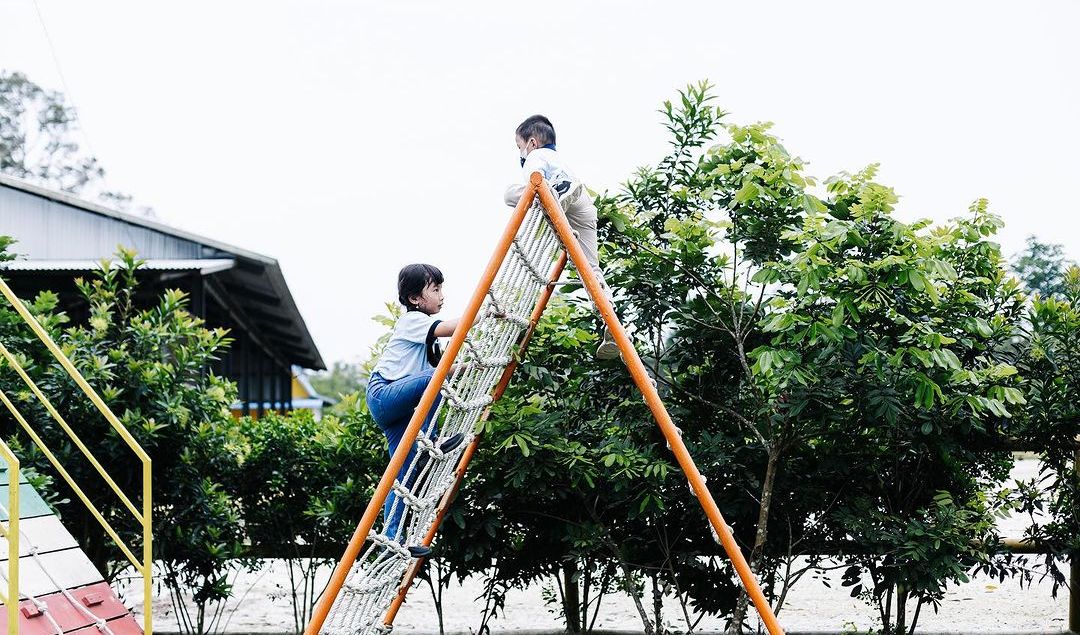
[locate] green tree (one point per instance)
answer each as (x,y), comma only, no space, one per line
(1041,267)
(150,366)
(1049,359)
(37,137)
(901,331)
(39,143)
(341,380)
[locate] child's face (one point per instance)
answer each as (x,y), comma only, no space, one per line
(431,300)
(525,146)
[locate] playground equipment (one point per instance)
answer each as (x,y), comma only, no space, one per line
(369,583)
(51,586)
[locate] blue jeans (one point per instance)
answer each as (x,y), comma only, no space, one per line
(392,403)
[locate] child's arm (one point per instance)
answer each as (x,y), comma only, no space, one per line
(513,195)
(446,328)
(532,164)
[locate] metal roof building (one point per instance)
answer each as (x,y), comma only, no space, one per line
(61,237)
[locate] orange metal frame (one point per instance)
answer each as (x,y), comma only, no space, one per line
(652,398)
(382,490)
(536,187)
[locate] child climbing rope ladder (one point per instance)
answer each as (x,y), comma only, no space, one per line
(400,378)
(366,580)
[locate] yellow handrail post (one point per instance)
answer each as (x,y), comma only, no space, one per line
(11,601)
(148,550)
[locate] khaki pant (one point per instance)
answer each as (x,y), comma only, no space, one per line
(581,214)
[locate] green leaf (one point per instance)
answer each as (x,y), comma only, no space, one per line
(765,275)
(812,204)
(748,192)
(979,326)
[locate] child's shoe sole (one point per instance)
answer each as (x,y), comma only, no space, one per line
(608,350)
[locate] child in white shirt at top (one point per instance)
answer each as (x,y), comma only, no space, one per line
(535,139)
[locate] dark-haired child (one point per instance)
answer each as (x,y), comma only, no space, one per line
(535,139)
(404,371)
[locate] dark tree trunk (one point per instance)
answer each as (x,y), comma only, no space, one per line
(762,534)
(657,605)
(571,599)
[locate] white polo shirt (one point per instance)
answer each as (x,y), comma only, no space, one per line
(407,351)
(547,161)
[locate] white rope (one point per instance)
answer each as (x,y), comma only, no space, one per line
(461,404)
(373,582)
(98,622)
(520,253)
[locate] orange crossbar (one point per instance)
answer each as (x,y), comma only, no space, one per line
(466,456)
(356,543)
(652,398)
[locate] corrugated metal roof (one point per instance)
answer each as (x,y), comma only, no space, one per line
(55,227)
(124,218)
(204,266)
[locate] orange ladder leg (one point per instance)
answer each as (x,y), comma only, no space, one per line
(466,457)
(652,399)
(382,490)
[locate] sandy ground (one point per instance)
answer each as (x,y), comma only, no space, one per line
(821,604)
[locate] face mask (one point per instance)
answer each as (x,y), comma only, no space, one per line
(525,154)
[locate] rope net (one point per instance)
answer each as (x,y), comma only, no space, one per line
(373,581)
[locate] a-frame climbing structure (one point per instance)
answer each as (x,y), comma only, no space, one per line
(370,582)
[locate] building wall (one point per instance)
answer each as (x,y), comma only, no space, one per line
(46,229)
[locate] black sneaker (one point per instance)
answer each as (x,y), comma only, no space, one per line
(420,551)
(452,443)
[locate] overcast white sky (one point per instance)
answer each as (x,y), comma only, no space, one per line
(348,138)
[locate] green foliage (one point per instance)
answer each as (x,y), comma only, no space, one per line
(303,485)
(149,365)
(849,378)
(1041,267)
(37,137)
(5,243)
(1049,360)
(343,379)
(903,332)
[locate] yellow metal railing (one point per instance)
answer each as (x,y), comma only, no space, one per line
(10,596)
(143,565)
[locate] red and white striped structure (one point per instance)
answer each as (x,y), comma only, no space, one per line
(60,591)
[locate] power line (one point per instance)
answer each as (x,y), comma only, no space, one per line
(68,95)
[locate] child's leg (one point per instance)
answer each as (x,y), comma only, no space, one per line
(392,406)
(582,219)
